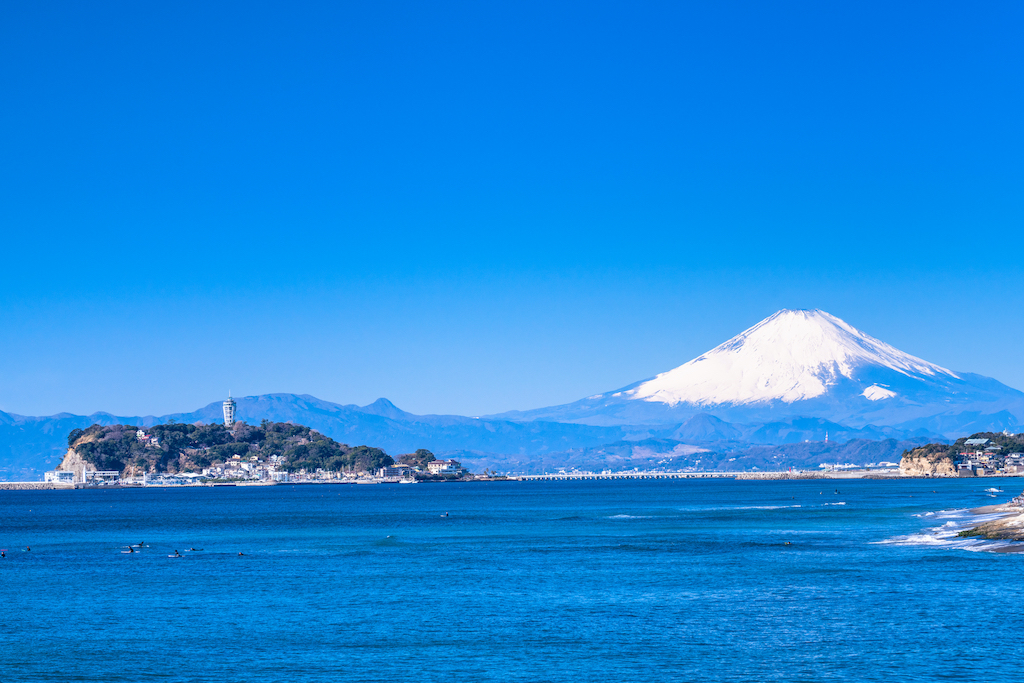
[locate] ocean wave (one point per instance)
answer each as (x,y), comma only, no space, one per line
(631,517)
(945,535)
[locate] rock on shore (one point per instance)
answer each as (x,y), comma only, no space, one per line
(1007,528)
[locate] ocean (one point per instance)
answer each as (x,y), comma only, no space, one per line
(635,580)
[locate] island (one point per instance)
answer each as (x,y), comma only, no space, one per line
(272,452)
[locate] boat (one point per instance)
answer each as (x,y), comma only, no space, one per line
(408,481)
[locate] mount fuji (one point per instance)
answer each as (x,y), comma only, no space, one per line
(804,363)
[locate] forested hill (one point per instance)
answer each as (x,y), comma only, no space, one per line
(187,448)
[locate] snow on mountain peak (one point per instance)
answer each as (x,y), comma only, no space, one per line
(790,356)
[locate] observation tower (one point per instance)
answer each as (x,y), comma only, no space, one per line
(229,412)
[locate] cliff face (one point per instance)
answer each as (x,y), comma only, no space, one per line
(73,462)
(933,460)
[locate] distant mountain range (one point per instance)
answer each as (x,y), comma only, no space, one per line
(767,397)
(31,445)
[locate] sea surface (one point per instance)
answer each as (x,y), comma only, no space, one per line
(649,580)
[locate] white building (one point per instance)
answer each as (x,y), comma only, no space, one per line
(394,471)
(444,467)
(59,477)
(106,476)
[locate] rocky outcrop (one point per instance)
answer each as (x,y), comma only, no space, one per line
(74,462)
(1010,527)
(933,460)
(772,476)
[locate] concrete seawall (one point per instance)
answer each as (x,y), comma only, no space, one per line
(32,485)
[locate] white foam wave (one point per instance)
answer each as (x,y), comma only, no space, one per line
(945,535)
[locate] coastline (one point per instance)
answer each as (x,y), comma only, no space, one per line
(1007,526)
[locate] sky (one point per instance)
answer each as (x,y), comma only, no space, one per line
(475,207)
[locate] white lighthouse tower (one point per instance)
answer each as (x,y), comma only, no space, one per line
(229,412)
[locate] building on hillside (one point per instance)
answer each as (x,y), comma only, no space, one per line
(445,467)
(229,412)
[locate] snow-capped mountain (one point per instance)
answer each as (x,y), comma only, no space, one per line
(807,363)
(791,356)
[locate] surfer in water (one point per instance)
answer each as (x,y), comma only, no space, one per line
(241,554)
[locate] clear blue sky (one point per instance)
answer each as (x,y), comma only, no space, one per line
(475,207)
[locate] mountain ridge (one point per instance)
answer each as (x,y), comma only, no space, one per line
(29,445)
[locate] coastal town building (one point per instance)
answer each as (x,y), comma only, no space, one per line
(102,476)
(396,471)
(59,477)
(444,467)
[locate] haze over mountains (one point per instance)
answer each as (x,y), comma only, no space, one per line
(790,379)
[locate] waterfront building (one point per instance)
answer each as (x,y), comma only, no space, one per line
(229,412)
(394,471)
(59,477)
(101,476)
(444,467)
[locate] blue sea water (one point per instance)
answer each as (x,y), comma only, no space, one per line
(651,580)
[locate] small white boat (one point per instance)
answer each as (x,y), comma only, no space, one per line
(407,481)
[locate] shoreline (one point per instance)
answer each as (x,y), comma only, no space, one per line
(876,475)
(1008,526)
